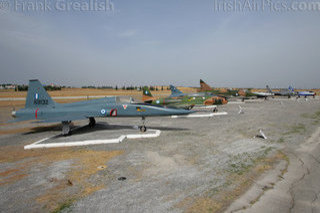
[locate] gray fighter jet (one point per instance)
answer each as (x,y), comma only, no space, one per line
(41,108)
(283,92)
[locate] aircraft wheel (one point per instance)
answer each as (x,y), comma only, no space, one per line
(143,128)
(92,122)
(66,129)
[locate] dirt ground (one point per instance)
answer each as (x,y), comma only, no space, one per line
(196,165)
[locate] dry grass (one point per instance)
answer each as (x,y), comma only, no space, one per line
(85,164)
(87,92)
(44,128)
(11,175)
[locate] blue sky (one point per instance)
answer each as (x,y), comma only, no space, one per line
(161,42)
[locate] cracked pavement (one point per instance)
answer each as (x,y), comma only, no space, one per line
(299,189)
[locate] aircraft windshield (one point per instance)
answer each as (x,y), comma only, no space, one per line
(125,99)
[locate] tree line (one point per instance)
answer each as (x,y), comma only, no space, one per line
(152,88)
(55,88)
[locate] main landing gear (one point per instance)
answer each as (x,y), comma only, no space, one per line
(66,130)
(92,122)
(143,128)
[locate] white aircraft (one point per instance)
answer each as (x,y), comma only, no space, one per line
(264,94)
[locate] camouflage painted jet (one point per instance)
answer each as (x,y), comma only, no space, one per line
(41,108)
(223,92)
(175,92)
(234,93)
(182,100)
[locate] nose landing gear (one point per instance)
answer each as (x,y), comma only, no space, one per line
(66,130)
(143,128)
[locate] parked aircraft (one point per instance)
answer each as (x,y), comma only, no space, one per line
(306,94)
(264,94)
(283,92)
(183,100)
(222,92)
(175,92)
(41,108)
(233,92)
(290,92)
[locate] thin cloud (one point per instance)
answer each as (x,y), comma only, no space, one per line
(128,33)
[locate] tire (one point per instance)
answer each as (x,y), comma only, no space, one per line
(92,122)
(66,130)
(143,128)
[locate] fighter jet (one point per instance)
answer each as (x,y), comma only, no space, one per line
(175,92)
(222,92)
(306,94)
(233,92)
(183,100)
(41,108)
(264,94)
(283,92)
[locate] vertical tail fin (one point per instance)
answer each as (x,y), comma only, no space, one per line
(174,91)
(146,94)
(37,96)
(268,89)
(204,87)
(291,89)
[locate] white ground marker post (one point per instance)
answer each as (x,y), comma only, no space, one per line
(240,110)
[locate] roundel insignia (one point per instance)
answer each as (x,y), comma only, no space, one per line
(103,111)
(125,106)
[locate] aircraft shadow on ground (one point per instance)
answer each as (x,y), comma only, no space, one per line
(78,130)
(56,127)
